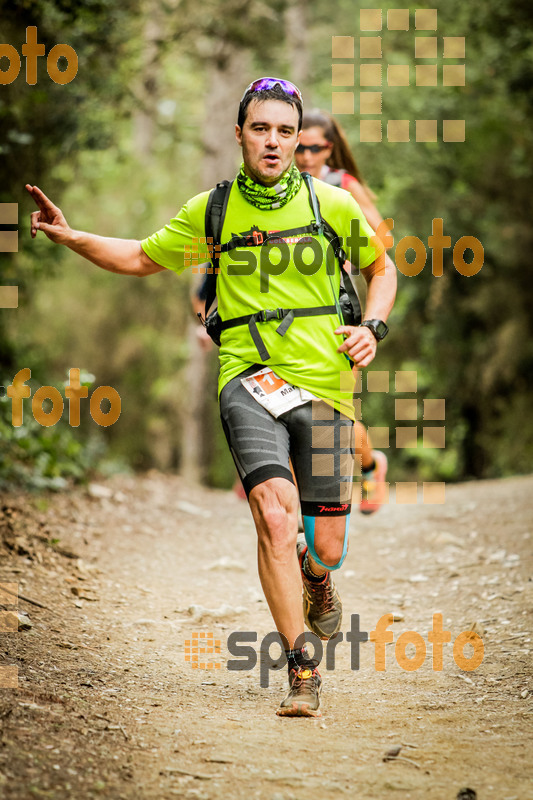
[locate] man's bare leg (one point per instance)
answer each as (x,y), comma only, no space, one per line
(329,542)
(274,505)
(326,545)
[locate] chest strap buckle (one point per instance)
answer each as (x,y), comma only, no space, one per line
(269,314)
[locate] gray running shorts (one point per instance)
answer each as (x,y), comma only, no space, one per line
(317,438)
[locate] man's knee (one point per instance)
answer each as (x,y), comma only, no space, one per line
(327,539)
(276,520)
(274,507)
(331,554)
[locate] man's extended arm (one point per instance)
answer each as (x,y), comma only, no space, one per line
(361,343)
(124,256)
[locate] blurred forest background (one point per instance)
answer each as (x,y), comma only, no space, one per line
(148,122)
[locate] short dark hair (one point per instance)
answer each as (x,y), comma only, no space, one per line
(275,93)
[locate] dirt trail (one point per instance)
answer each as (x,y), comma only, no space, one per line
(109,707)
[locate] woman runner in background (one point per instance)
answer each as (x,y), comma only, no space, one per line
(324,152)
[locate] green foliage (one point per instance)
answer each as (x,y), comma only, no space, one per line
(470,339)
(38,457)
(122,147)
(44,126)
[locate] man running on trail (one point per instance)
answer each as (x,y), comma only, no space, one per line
(285,373)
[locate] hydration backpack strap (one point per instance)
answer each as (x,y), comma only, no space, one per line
(214,219)
(351,291)
(286,317)
(257,238)
(215,212)
(336,243)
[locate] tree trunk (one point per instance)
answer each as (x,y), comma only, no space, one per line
(225,86)
(145,114)
(296,42)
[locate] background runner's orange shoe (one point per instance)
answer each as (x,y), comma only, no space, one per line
(373,484)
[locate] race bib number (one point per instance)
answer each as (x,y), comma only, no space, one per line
(275,394)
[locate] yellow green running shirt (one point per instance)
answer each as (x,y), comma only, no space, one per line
(306,355)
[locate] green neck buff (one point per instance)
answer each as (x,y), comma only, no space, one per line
(269,197)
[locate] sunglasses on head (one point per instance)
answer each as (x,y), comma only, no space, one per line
(268,83)
(313,148)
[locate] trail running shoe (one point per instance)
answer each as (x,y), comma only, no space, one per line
(303,698)
(373,484)
(322,604)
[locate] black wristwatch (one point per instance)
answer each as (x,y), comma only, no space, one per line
(377,326)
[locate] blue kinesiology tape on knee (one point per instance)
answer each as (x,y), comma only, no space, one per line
(309,528)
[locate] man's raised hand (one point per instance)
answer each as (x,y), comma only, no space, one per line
(49,219)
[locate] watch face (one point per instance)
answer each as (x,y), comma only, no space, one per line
(381,329)
(378,328)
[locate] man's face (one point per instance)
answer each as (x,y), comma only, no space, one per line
(268,139)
